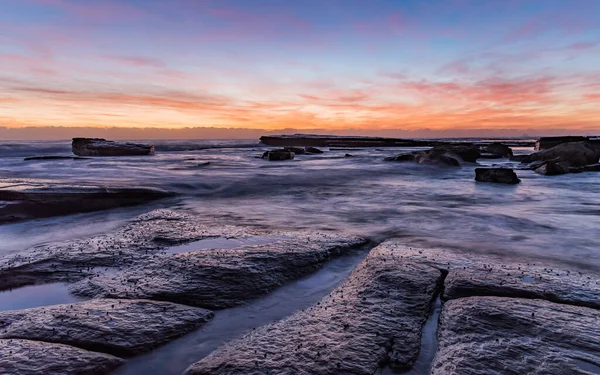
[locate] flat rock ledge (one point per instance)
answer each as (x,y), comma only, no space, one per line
(25,357)
(23,199)
(495,335)
(118,327)
(373,319)
(480,274)
(220,278)
(137,241)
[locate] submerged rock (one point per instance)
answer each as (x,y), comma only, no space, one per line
(374,318)
(220,278)
(278,155)
(137,241)
(117,327)
(26,357)
(573,154)
(438,157)
(102,147)
(28,199)
(498,175)
(491,335)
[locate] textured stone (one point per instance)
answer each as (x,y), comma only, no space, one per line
(374,318)
(138,240)
(118,327)
(492,335)
(220,278)
(479,274)
(25,357)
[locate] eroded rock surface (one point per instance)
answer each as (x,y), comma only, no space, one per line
(26,357)
(118,327)
(220,278)
(374,318)
(140,239)
(492,335)
(479,274)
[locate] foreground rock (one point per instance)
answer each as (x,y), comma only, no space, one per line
(497,175)
(25,357)
(136,242)
(480,274)
(573,154)
(220,278)
(374,318)
(278,155)
(490,335)
(117,327)
(27,199)
(102,147)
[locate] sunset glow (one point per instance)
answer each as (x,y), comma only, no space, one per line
(272,64)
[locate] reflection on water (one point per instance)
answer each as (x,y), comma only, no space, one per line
(36,296)
(223,243)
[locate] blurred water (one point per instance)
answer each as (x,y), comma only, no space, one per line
(548,217)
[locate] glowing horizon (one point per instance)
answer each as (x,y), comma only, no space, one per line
(333,65)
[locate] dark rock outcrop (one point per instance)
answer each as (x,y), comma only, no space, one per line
(498,175)
(313,150)
(499,149)
(137,241)
(491,335)
(552,168)
(117,327)
(549,142)
(220,278)
(102,147)
(574,154)
(314,140)
(374,318)
(38,199)
(26,357)
(278,155)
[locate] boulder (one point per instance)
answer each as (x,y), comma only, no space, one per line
(492,335)
(373,319)
(117,327)
(313,150)
(38,199)
(135,242)
(26,357)
(278,155)
(498,175)
(573,154)
(102,147)
(220,278)
(438,157)
(467,152)
(549,142)
(296,150)
(498,149)
(553,168)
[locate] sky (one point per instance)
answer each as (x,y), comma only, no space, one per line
(377,66)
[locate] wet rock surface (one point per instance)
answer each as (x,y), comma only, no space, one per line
(492,335)
(117,327)
(573,154)
(278,155)
(374,318)
(497,175)
(137,241)
(480,274)
(552,168)
(220,278)
(102,147)
(26,199)
(26,357)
